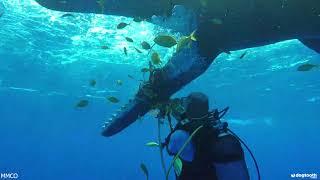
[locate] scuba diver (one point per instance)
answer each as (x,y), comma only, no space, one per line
(203,144)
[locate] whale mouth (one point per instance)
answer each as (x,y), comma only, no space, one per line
(125,116)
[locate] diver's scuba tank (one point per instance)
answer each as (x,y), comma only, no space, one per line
(210,124)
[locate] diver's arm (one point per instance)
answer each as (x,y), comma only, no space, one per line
(177,139)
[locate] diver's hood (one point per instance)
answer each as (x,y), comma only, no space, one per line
(196,105)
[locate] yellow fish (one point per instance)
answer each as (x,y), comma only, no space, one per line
(154,112)
(155,58)
(125,51)
(145,70)
(204,3)
(152,144)
(307,67)
(101,5)
(129,39)
(122,25)
(178,166)
(144,170)
(113,99)
(93,82)
(104,47)
(82,103)
(186,41)
(145,45)
(217,21)
(138,50)
(165,41)
(119,82)
(137,19)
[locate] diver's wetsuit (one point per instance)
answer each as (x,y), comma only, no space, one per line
(209,157)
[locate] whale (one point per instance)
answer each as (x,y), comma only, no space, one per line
(222,26)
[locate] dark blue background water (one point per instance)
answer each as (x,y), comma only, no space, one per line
(45,137)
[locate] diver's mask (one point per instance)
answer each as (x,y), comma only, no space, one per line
(182,113)
(186,110)
(178,110)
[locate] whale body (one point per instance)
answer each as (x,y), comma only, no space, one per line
(241,24)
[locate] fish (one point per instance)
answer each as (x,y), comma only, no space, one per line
(138,50)
(137,19)
(101,4)
(154,113)
(178,166)
(67,15)
(145,45)
(185,41)
(129,39)
(216,21)
(125,51)
(113,99)
(165,41)
(145,70)
(204,3)
(144,170)
(131,77)
(104,47)
(119,82)
(307,67)
(243,55)
(155,58)
(149,93)
(227,52)
(140,119)
(82,103)
(152,144)
(1,13)
(62,2)
(92,83)
(122,25)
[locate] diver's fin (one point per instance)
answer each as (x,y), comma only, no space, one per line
(313,44)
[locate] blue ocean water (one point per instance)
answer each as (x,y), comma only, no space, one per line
(46,63)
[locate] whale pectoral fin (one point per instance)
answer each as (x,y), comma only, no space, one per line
(127,115)
(180,70)
(313,44)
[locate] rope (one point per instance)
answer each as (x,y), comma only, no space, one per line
(251,154)
(160,148)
